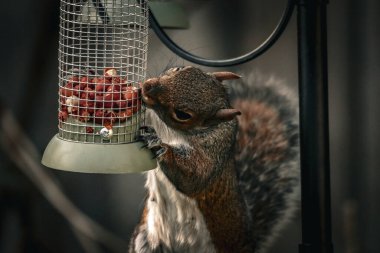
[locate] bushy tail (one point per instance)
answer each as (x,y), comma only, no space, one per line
(267,156)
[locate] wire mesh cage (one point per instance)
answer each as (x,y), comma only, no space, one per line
(102,62)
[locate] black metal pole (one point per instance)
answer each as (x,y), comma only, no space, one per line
(314,142)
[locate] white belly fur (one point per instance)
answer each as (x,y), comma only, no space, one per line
(173,219)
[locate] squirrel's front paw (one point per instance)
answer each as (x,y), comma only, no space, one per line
(152,141)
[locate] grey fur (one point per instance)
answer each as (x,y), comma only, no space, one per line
(271,192)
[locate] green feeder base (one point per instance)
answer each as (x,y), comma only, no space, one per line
(97,158)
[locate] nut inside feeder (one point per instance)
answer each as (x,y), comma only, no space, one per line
(102,62)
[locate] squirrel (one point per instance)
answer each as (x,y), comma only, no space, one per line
(227,178)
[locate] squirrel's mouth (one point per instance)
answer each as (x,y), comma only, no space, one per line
(148,101)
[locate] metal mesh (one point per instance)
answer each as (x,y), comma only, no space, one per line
(102,61)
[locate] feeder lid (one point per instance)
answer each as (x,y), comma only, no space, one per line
(97,158)
(169,14)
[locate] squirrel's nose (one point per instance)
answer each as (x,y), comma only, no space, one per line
(149,85)
(149,88)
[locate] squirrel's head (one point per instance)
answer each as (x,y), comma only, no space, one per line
(188,98)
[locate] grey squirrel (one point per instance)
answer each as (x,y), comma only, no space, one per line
(224,183)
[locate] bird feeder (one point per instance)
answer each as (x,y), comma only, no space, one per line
(102,62)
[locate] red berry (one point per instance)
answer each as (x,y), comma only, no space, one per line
(121,104)
(124,82)
(99,116)
(67,90)
(62,104)
(107,100)
(63,115)
(85,80)
(114,88)
(74,80)
(76,90)
(116,80)
(94,80)
(84,116)
(101,81)
(111,96)
(123,115)
(88,93)
(137,106)
(130,93)
(128,112)
(91,83)
(109,117)
(99,101)
(87,105)
(101,88)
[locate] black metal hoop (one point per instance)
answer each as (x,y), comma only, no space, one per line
(273,37)
(314,131)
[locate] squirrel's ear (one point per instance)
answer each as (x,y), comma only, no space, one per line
(227,114)
(225,75)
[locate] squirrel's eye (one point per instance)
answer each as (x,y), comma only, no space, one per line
(181,116)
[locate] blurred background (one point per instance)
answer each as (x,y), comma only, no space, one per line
(217,29)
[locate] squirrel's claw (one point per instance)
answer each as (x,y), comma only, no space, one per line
(158,151)
(147,129)
(152,141)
